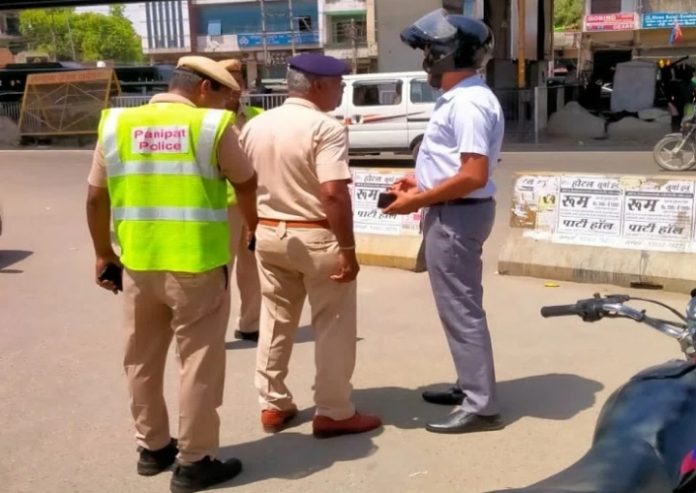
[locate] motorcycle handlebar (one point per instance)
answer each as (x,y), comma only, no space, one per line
(594,309)
(559,310)
(589,310)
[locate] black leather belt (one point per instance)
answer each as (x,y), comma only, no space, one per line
(465,201)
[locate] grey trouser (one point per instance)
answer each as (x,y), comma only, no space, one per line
(454,237)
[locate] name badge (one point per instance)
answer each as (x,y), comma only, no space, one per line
(166,139)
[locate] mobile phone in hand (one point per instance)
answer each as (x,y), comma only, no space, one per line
(113,273)
(385,199)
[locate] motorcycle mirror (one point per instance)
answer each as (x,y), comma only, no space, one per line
(693,293)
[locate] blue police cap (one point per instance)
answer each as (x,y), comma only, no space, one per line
(319,65)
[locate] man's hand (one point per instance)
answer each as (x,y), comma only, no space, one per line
(405,184)
(405,203)
(347,268)
(101,263)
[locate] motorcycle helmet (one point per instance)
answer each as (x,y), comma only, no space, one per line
(449,43)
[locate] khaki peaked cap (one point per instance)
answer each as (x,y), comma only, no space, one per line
(231,65)
(208,68)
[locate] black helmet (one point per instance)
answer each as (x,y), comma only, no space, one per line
(450,42)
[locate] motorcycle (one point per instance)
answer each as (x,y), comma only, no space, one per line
(648,426)
(677,151)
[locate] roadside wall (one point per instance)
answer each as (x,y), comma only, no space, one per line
(603,229)
(381,239)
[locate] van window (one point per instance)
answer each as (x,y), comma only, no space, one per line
(422,92)
(382,93)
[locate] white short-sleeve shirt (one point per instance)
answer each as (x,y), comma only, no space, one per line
(466,119)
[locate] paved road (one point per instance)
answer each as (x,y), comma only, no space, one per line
(64,413)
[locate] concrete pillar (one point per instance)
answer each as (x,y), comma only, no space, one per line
(371,28)
(252,72)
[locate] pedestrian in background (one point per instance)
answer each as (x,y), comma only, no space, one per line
(454,183)
(159,172)
(305,246)
(246,272)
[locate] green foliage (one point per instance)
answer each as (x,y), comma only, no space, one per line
(567,14)
(117,10)
(86,37)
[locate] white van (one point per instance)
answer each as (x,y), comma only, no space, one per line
(386,112)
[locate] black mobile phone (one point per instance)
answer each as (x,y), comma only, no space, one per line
(113,273)
(385,199)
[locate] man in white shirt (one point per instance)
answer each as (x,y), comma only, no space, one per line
(454,183)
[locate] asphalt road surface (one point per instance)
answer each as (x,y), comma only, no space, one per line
(63,400)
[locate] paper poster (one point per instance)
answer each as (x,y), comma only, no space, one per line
(658,215)
(535,205)
(633,212)
(367,218)
(589,210)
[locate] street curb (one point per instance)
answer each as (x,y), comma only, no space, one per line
(522,256)
(400,252)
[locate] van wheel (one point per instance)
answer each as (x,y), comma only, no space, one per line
(416,148)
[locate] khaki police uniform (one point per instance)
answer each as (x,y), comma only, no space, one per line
(244,263)
(246,271)
(193,308)
(294,148)
(246,275)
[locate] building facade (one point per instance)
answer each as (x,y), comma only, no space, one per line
(620,30)
(163,26)
(349,32)
(167,33)
(501,15)
(392,16)
(10,40)
(263,33)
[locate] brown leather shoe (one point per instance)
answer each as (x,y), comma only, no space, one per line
(274,420)
(325,427)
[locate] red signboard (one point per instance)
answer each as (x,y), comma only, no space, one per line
(623,21)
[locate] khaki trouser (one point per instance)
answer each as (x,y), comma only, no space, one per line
(194,308)
(293,264)
(247,274)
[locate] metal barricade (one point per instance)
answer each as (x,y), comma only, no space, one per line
(265,101)
(11,110)
(66,104)
(129,101)
(518,108)
(527,111)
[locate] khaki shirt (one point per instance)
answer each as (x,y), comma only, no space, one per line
(231,159)
(294,149)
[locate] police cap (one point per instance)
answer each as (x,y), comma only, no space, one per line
(318,65)
(231,64)
(208,68)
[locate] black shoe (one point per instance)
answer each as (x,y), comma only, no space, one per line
(450,397)
(247,336)
(189,478)
(464,422)
(154,462)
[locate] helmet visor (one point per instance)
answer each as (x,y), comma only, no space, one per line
(435,25)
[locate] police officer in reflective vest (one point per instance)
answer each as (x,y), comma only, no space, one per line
(159,173)
(246,272)
(454,184)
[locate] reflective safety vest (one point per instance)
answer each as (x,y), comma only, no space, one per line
(249,112)
(168,197)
